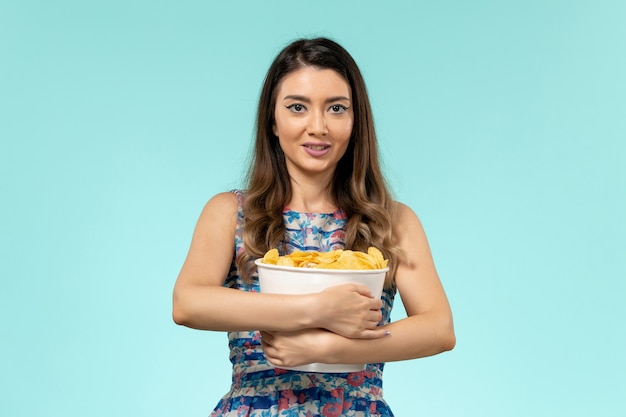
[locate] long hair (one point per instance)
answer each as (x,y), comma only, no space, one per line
(358,186)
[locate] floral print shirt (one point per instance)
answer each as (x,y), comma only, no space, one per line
(261,390)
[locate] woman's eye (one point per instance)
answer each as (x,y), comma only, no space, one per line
(296,108)
(338,108)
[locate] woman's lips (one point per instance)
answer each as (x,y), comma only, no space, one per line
(315,149)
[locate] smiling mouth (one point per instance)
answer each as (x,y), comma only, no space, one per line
(317,147)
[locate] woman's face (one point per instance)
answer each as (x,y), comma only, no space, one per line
(313,121)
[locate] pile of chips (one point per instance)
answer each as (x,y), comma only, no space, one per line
(336,259)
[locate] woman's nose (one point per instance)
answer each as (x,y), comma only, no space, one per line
(317,124)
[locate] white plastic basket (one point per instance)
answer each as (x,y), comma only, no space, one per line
(274,279)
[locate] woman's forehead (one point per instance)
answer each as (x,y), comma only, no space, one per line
(314,81)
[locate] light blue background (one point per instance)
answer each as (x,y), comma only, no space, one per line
(501,123)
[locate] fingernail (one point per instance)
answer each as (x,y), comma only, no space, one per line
(387,333)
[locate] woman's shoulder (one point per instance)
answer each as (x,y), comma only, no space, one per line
(223,205)
(403,214)
(225,198)
(399,208)
(407,226)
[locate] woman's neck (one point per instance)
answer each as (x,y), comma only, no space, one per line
(311,196)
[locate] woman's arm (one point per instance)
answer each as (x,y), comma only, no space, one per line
(201,301)
(427,330)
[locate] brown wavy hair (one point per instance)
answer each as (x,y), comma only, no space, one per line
(358,186)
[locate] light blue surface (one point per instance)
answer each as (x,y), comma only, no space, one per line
(503,125)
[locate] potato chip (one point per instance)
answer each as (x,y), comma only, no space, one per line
(367,260)
(335,259)
(285,261)
(271,257)
(381,262)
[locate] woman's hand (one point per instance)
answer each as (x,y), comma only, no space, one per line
(350,311)
(298,348)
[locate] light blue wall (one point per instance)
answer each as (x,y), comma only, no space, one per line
(501,123)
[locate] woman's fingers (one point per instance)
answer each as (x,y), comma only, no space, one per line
(268,348)
(266,338)
(375,315)
(363,290)
(348,310)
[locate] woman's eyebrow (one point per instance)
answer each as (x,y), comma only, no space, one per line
(308,100)
(337,98)
(297,98)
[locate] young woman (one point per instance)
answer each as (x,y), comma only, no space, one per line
(315,183)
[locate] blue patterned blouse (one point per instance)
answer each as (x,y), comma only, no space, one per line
(259,389)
